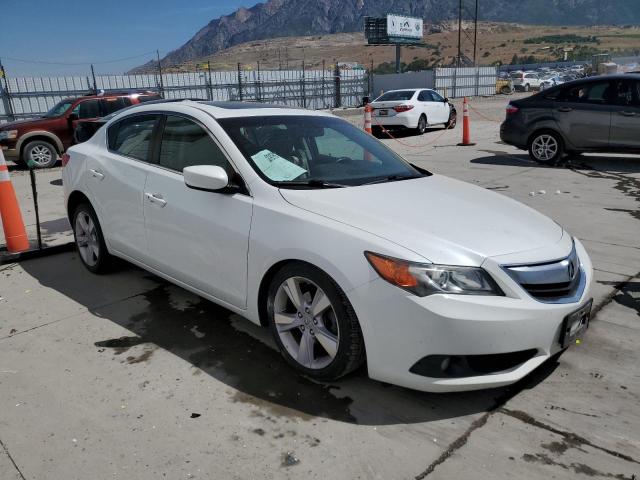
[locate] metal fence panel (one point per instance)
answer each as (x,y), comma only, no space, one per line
(396,81)
(458,82)
(314,89)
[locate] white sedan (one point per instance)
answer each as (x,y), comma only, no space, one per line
(415,109)
(305,224)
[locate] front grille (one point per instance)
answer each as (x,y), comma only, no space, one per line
(560,281)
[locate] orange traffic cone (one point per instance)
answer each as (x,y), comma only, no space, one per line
(367,118)
(466,127)
(367,127)
(14,231)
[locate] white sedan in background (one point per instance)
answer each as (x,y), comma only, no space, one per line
(305,224)
(414,108)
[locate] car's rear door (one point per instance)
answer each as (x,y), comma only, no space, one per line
(583,114)
(197,237)
(115,176)
(625,115)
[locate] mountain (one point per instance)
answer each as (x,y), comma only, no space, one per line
(286,18)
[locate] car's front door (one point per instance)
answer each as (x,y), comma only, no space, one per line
(442,107)
(625,115)
(197,237)
(583,114)
(116,178)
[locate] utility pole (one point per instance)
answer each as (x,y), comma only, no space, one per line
(475,36)
(160,74)
(95,85)
(210,92)
(5,94)
(398,55)
(459,34)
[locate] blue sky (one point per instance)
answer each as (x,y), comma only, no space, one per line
(86,31)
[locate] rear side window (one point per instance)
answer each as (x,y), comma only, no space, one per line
(132,136)
(593,92)
(147,98)
(110,105)
(185,143)
(425,96)
(395,96)
(88,109)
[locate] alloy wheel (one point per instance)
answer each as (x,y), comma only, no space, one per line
(422,124)
(306,323)
(87,239)
(41,155)
(545,147)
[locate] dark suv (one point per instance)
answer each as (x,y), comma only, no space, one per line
(598,114)
(41,140)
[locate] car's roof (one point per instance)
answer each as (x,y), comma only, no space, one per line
(220,109)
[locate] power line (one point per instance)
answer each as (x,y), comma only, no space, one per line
(46,62)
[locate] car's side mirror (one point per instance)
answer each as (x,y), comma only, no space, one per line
(446,100)
(210,178)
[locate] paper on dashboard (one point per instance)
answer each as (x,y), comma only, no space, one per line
(275,167)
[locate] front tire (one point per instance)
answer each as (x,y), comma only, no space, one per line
(453,119)
(40,154)
(90,240)
(546,147)
(313,323)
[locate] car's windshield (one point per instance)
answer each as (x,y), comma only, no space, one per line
(59,109)
(297,150)
(397,95)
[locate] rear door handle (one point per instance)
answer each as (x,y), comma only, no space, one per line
(565,109)
(156,199)
(97,174)
(628,114)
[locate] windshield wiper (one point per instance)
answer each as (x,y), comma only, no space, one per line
(393,178)
(313,183)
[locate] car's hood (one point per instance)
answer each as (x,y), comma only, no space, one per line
(443,220)
(19,123)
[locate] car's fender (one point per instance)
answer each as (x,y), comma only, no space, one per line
(24,139)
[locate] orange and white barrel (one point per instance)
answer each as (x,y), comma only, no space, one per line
(14,232)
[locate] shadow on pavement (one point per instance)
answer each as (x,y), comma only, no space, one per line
(405,133)
(620,164)
(241,355)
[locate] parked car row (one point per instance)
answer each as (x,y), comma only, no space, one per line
(545,77)
(41,141)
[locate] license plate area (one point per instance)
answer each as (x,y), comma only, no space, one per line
(383,113)
(575,324)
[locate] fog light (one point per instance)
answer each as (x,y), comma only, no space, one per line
(445,363)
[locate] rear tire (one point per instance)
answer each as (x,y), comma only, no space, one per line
(422,125)
(89,239)
(546,147)
(40,154)
(306,307)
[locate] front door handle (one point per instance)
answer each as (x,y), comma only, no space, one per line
(565,109)
(628,114)
(97,174)
(156,199)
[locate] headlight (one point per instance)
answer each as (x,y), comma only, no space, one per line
(8,134)
(424,279)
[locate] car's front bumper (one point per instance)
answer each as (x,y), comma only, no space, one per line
(512,133)
(400,329)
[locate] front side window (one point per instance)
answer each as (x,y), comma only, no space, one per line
(59,109)
(87,109)
(185,143)
(625,93)
(301,150)
(399,95)
(132,136)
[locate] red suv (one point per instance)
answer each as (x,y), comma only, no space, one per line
(41,140)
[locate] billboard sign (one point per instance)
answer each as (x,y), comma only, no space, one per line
(399,26)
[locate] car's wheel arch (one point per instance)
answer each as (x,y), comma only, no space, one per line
(41,135)
(270,273)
